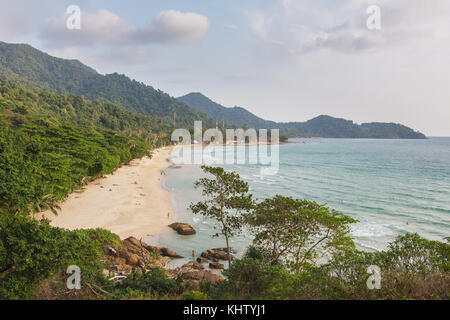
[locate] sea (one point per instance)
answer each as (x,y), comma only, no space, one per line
(390,186)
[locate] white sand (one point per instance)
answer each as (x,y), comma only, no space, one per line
(131,202)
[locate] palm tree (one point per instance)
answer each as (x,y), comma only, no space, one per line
(48,201)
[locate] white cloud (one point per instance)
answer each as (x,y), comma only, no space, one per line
(105,27)
(301,27)
(175,27)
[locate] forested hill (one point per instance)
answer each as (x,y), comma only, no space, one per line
(52,144)
(235,116)
(36,69)
(321,126)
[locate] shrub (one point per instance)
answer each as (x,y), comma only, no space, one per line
(152,283)
(195,295)
(32,251)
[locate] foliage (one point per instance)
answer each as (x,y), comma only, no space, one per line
(227,195)
(298,232)
(17,101)
(345,276)
(149,283)
(31,251)
(41,163)
(36,69)
(195,295)
(50,145)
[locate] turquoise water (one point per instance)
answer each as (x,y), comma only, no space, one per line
(390,186)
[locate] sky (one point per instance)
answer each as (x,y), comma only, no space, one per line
(283,60)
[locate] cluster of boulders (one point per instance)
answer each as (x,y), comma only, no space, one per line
(193,272)
(182,228)
(135,253)
(214,255)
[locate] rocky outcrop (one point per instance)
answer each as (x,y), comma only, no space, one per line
(135,253)
(216,254)
(169,253)
(202,260)
(193,273)
(183,228)
(194,265)
(216,265)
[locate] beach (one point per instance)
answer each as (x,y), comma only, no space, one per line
(130,202)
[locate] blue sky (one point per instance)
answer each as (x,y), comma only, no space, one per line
(284,60)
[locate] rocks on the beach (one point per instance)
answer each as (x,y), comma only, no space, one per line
(194,265)
(192,274)
(169,253)
(182,228)
(202,260)
(216,265)
(136,253)
(216,254)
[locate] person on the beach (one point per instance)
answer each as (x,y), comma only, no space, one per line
(193,253)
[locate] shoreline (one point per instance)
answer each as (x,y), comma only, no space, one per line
(129,202)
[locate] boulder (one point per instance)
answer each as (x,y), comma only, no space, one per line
(202,260)
(193,265)
(215,254)
(182,228)
(133,252)
(216,265)
(202,275)
(169,253)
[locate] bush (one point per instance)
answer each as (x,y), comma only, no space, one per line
(411,268)
(195,295)
(152,283)
(32,251)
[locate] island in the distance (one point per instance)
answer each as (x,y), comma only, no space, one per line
(322,126)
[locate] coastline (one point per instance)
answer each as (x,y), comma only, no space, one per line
(130,202)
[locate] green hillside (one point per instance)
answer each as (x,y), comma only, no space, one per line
(33,68)
(236,116)
(52,144)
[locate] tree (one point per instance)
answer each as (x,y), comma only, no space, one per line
(227,197)
(298,232)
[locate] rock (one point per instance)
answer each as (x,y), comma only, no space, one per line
(212,277)
(136,253)
(193,265)
(170,253)
(202,260)
(216,265)
(202,275)
(205,255)
(215,254)
(132,259)
(182,228)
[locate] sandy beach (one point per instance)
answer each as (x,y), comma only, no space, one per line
(130,202)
